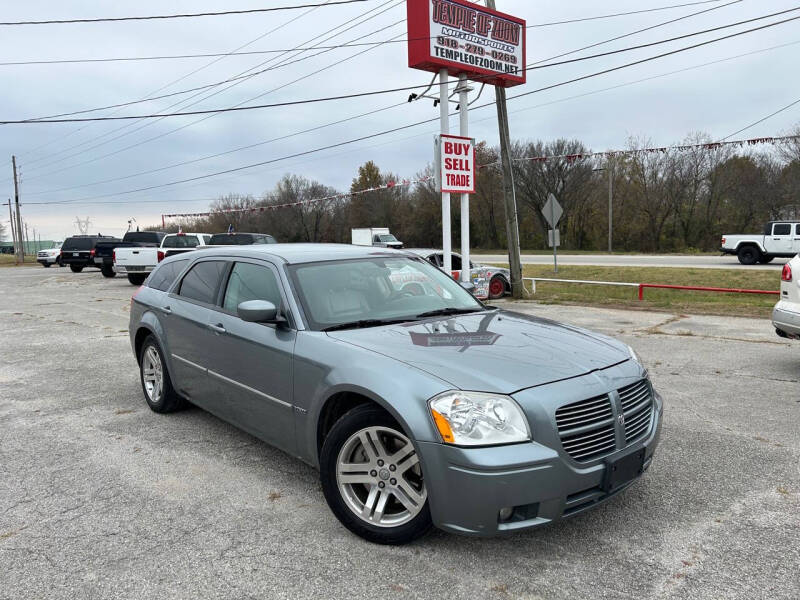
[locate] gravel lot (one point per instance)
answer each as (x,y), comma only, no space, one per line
(101,498)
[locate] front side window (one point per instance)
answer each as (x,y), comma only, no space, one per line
(202,281)
(375,289)
(782,229)
(165,274)
(251,282)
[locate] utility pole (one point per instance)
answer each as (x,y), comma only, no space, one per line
(13,229)
(610,205)
(512,222)
(27,241)
(19,219)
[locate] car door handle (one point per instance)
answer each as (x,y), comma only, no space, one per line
(166,310)
(219,328)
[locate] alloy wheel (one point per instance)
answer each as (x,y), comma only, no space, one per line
(379,477)
(152,374)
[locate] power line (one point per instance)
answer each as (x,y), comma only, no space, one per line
(406,88)
(279,51)
(241,76)
(351,26)
(179,16)
(171,83)
(381,133)
(769,116)
(375,111)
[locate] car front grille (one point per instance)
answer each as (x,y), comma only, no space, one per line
(587,428)
(637,406)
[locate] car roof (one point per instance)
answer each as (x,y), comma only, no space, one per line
(301,253)
(425,252)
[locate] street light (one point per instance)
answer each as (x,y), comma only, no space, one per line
(610,170)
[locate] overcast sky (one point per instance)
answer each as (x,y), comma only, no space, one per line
(716,99)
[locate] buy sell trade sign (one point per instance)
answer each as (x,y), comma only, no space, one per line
(456,164)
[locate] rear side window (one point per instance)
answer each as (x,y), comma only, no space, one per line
(782,229)
(206,239)
(202,281)
(78,244)
(251,282)
(143,237)
(165,275)
(181,241)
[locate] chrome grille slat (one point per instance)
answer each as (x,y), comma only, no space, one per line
(588,429)
(603,413)
(598,440)
(583,409)
(585,427)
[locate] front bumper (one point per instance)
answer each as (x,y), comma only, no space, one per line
(46,260)
(786,318)
(467,488)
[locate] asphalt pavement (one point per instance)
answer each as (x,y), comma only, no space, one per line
(101,498)
(704,261)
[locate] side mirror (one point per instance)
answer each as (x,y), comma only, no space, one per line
(467,285)
(257,311)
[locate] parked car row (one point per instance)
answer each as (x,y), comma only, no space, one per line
(138,252)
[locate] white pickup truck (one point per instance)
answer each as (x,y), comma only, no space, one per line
(137,263)
(779,239)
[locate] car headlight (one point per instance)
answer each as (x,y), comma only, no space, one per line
(478,419)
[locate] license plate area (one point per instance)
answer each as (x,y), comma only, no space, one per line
(622,470)
(76,254)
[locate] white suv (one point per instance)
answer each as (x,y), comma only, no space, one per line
(786,314)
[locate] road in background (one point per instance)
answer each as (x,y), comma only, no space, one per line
(632,260)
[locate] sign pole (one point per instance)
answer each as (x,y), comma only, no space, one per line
(444,118)
(463,107)
(555,244)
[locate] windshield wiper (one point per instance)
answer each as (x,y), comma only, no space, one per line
(366,323)
(446,312)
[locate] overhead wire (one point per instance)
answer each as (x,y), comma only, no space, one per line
(178,15)
(378,134)
(351,26)
(249,146)
(167,85)
(405,88)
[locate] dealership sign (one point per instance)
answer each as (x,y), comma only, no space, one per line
(456,164)
(462,37)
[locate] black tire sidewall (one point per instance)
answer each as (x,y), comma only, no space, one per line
(136,279)
(75,269)
(107,272)
(359,418)
(748,255)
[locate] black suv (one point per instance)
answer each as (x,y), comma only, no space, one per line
(240,239)
(78,250)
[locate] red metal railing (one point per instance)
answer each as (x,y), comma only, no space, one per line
(702,289)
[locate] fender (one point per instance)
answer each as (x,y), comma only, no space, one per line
(757,243)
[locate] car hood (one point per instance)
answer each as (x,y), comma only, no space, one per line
(497,351)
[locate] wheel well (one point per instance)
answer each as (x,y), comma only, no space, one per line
(141,335)
(748,244)
(336,406)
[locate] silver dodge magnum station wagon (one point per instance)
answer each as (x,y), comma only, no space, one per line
(419,405)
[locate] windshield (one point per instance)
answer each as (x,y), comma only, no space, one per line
(180,241)
(375,289)
(387,238)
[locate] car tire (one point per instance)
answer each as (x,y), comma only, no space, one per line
(108,272)
(766,259)
(391,478)
(137,278)
(154,377)
(748,255)
(497,287)
(75,268)
(46,265)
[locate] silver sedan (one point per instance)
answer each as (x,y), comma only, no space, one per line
(420,406)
